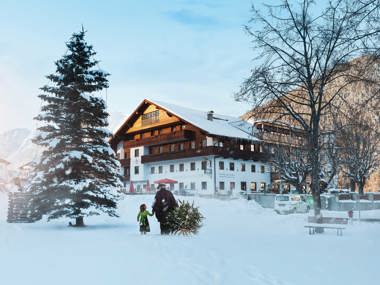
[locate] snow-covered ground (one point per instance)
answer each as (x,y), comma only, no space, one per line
(240,243)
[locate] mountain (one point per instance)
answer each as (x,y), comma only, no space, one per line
(16,145)
(11,140)
(26,152)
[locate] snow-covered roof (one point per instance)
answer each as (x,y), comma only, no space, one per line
(221,125)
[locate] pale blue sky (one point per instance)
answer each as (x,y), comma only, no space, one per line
(192,53)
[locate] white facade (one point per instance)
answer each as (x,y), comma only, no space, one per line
(206,174)
(221,176)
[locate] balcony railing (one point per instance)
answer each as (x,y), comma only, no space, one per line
(125,162)
(162,139)
(212,150)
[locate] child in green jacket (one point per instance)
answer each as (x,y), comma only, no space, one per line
(142,218)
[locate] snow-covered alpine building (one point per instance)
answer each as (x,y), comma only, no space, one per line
(201,152)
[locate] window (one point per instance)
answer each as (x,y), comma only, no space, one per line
(160,149)
(253,168)
(171,186)
(232,166)
(192,166)
(137,170)
(160,169)
(220,144)
(243,186)
(253,187)
(181,146)
(137,152)
(181,167)
(242,167)
(261,148)
(171,167)
(232,186)
(126,171)
(204,185)
(192,185)
(152,170)
(204,165)
(221,185)
(252,147)
(262,186)
(152,187)
(262,168)
(241,147)
(181,186)
(150,118)
(172,147)
(192,145)
(221,165)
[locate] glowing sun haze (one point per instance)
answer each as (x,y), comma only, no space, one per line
(193,53)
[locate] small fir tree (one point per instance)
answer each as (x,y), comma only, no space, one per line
(184,219)
(78,174)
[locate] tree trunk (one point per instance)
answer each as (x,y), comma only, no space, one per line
(79,222)
(299,188)
(361,187)
(315,170)
(352,185)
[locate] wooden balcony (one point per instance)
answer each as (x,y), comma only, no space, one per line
(217,151)
(177,136)
(125,162)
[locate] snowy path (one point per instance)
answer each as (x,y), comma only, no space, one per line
(240,243)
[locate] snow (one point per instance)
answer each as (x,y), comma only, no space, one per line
(11,140)
(16,145)
(221,125)
(76,154)
(26,150)
(240,243)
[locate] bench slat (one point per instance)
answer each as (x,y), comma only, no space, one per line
(329,220)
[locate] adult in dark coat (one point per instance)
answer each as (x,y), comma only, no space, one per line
(164,202)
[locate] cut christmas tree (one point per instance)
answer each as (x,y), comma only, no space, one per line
(78,174)
(184,219)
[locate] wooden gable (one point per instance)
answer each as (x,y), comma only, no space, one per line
(151,117)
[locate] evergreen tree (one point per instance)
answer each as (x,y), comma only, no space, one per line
(184,219)
(78,174)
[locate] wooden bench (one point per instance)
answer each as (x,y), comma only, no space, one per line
(312,228)
(326,223)
(328,220)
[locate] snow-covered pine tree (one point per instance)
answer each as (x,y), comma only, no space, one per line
(78,174)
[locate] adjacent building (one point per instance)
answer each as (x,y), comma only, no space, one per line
(201,152)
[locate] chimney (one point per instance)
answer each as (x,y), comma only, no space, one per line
(210,115)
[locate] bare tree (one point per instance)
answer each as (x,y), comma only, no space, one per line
(300,55)
(293,166)
(331,160)
(359,138)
